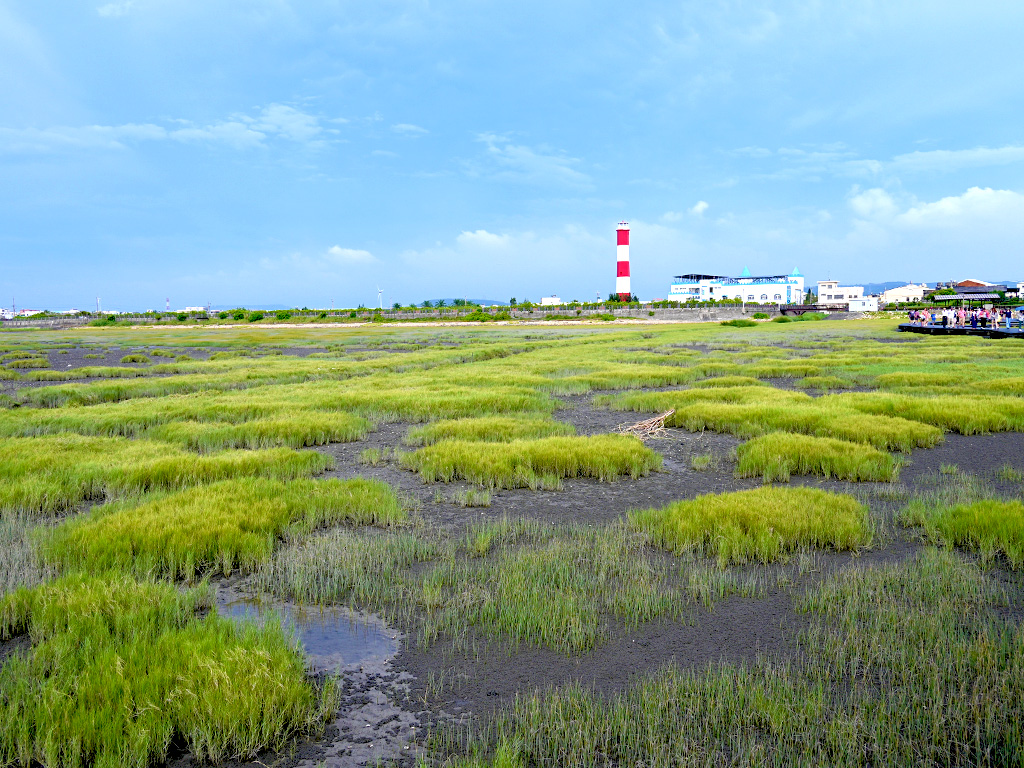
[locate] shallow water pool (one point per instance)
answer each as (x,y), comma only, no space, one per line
(333,638)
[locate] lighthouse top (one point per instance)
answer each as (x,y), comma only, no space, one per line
(623,225)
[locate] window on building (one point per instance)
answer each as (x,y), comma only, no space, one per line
(750,297)
(764,295)
(778,296)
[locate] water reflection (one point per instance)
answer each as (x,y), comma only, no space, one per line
(333,638)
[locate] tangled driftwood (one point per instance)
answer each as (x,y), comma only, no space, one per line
(649,428)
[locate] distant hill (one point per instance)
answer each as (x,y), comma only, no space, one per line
(871,288)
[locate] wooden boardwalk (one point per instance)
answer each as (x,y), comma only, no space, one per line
(935,329)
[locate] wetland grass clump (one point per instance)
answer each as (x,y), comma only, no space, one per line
(729,381)
(294,430)
(966,414)
(29,362)
(778,455)
(762,524)
(753,411)
(223,526)
(472,498)
(989,526)
(501,429)
(120,669)
(135,358)
(375,457)
(824,383)
(532,463)
(51,473)
(702,462)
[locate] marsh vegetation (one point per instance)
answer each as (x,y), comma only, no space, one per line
(818,561)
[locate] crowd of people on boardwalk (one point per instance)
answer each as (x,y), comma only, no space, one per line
(967,318)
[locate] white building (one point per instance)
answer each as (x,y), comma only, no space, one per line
(6,314)
(863,304)
(909,292)
(765,289)
(550,301)
(830,292)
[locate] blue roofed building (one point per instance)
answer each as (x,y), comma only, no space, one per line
(760,289)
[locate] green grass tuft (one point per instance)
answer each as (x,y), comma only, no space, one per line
(778,455)
(52,473)
(531,463)
(120,669)
(988,526)
(228,525)
(489,429)
(762,524)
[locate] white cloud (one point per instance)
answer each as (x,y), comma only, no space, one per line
(671,216)
(288,123)
(481,238)
(955,160)
(233,133)
(699,208)
(506,161)
(408,129)
(276,121)
(976,208)
(348,255)
(872,204)
(839,161)
(115,9)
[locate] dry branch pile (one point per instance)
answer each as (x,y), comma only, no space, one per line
(649,428)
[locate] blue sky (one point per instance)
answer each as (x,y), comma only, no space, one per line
(270,151)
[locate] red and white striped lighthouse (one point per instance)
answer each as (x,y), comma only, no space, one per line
(622,257)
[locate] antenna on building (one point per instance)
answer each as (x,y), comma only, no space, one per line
(168,305)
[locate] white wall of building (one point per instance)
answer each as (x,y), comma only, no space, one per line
(830,292)
(864,304)
(550,301)
(909,292)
